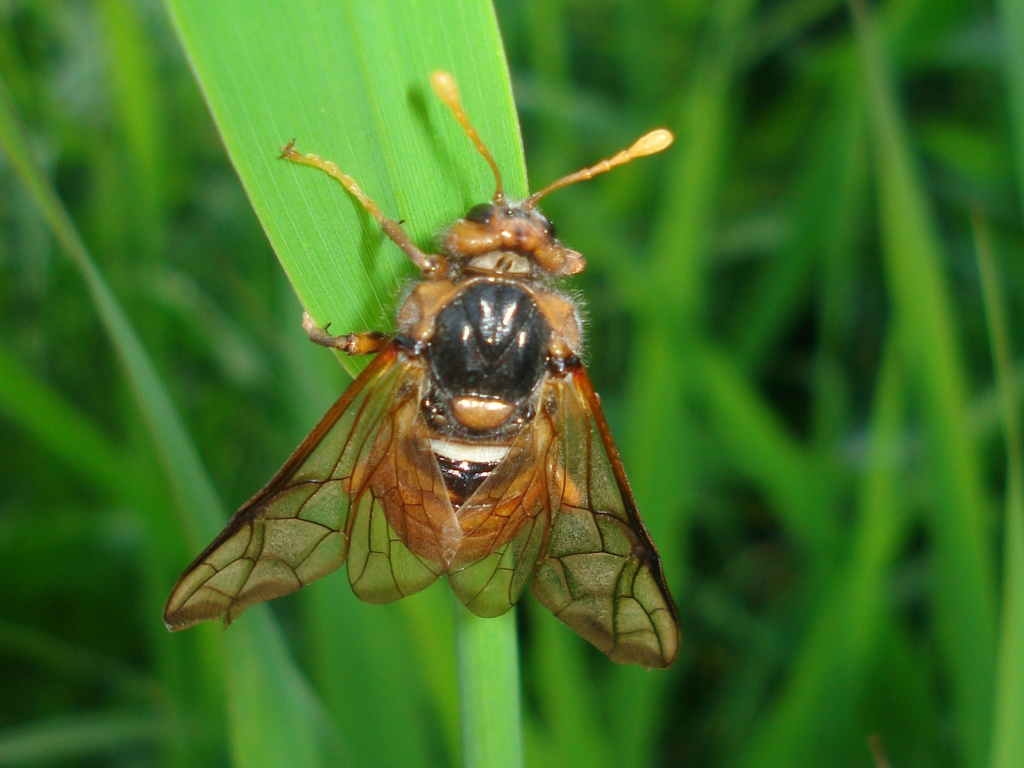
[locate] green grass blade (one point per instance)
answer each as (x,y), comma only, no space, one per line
(430,624)
(567,702)
(828,676)
(79,737)
(349,81)
(767,454)
(365,659)
(488,656)
(191,485)
(61,657)
(964,591)
(42,412)
(1008,736)
(136,92)
(274,715)
(1011,14)
(669,300)
(271,669)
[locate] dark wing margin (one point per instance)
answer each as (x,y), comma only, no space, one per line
(600,572)
(298,527)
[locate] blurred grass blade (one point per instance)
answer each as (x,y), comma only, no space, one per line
(828,676)
(565,706)
(275,717)
(137,99)
(669,302)
(1008,736)
(767,454)
(192,487)
(42,412)
(79,737)
(296,728)
(365,660)
(964,590)
(1012,17)
(60,657)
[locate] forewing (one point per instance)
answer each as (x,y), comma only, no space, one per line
(296,529)
(600,573)
(504,524)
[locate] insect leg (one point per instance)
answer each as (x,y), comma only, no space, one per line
(352,343)
(432,265)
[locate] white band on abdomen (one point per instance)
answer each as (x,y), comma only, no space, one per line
(475,454)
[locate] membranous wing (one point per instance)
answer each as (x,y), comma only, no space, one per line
(404,527)
(302,524)
(600,572)
(504,524)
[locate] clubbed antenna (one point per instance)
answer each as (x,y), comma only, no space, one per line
(648,144)
(447,91)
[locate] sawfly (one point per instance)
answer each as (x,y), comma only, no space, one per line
(472,446)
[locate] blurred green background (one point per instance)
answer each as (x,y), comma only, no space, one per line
(803,320)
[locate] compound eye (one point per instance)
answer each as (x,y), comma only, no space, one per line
(545,224)
(481,214)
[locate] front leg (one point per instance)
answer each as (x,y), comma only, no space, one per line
(352,343)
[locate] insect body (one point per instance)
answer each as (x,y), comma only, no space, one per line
(473,445)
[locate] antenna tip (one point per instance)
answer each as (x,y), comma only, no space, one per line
(444,86)
(652,143)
